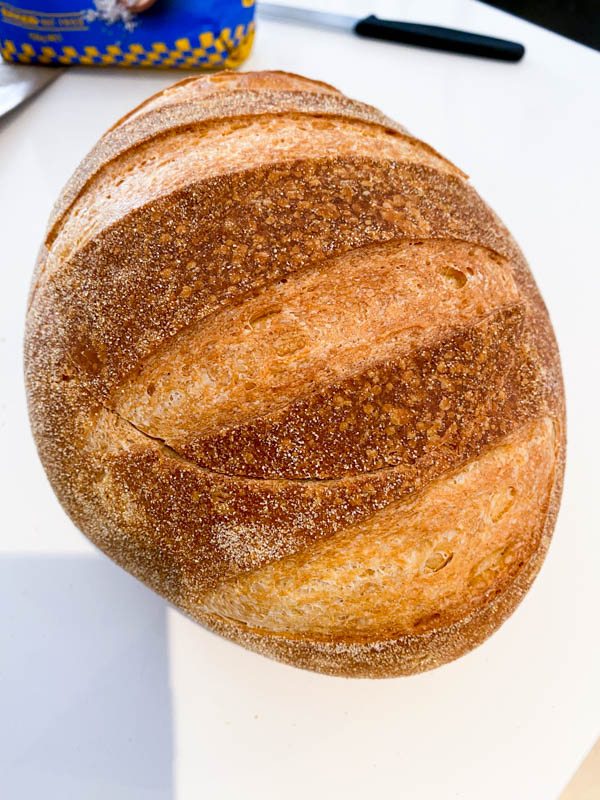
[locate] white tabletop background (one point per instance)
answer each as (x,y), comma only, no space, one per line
(107,693)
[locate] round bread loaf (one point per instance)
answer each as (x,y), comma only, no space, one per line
(286,367)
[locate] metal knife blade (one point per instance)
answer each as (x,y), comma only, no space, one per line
(20,81)
(306,16)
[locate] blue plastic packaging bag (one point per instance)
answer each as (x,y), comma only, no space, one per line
(186,34)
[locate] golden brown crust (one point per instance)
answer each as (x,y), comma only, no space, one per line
(438,402)
(235,105)
(140,284)
(173,161)
(212,244)
(218,524)
(199,100)
(421,564)
(274,348)
(189,89)
(386,657)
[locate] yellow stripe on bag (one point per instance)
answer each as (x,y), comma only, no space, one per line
(226,50)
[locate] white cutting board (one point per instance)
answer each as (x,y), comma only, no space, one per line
(106,692)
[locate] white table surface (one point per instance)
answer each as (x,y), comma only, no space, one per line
(106,692)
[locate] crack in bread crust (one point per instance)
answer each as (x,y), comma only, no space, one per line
(132,496)
(415,565)
(525,400)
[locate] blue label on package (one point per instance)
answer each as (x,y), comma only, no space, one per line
(186,34)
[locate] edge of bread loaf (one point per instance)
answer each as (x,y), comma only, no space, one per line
(411,653)
(289,93)
(399,656)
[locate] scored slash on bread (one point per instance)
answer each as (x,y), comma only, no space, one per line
(286,367)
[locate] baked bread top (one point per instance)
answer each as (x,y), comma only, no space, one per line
(286,366)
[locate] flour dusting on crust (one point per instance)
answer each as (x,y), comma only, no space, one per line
(111,11)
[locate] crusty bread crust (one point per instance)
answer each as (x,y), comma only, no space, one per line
(431,558)
(218,97)
(266,353)
(372,420)
(386,657)
(220,241)
(301,459)
(162,165)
